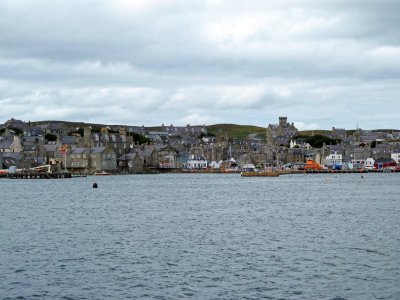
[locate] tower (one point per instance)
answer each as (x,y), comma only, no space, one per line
(87,136)
(282,122)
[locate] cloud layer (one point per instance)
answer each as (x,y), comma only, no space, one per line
(334,63)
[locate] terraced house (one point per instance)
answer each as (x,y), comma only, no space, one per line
(91,159)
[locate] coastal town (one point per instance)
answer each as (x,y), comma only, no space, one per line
(86,149)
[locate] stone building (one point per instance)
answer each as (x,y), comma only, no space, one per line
(280,134)
(130,163)
(296,155)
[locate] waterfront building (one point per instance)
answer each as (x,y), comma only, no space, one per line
(395,155)
(196,162)
(369,163)
(333,159)
(167,156)
(130,163)
(296,156)
(103,158)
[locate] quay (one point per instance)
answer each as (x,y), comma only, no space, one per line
(285,172)
(264,173)
(343,171)
(37,175)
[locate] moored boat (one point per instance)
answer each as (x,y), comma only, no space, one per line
(102,173)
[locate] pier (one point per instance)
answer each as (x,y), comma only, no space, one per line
(285,172)
(37,175)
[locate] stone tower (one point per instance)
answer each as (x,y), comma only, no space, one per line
(87,136)
(282,122)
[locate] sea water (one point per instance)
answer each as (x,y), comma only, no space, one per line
(201,236)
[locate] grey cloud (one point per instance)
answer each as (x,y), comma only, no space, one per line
(177,61)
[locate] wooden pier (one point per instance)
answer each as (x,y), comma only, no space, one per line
(37,175)
(264,173)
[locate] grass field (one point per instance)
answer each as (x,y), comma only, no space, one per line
(234,130)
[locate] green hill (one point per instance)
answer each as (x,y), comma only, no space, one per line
(234,130)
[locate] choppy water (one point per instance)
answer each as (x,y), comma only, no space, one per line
(201,236)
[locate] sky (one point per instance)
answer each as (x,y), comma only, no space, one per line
(151,62)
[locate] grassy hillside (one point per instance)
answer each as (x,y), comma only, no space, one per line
(234,130)
(313,132)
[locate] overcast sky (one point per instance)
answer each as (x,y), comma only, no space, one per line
(147,62)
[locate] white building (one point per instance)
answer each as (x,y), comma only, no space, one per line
(358,163)
(396,156)
(369,163)
(196,162)
(333,159)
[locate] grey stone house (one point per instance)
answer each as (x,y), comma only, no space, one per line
(103,159)
(130,163)
(296,156)
(149,156)
(78,160)
(89,159)
(167,157)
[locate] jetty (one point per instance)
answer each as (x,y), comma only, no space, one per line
(37,175)
(310,171)
(265,173)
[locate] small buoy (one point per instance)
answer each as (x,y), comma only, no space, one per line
(94,185)
(362,176)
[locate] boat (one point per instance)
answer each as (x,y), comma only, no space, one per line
(102,173)
(262,174)
(311,165)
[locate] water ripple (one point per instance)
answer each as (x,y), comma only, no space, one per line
(201,237)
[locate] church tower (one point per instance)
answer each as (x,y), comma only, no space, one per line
(282,122)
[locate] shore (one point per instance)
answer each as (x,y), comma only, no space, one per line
(263,173)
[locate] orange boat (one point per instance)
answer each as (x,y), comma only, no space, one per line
(312,165)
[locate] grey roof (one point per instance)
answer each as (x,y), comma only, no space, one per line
(14,155)
(383,160)
(296,151)
(30,147)
(50,147)
(79,150)
(6,142)
(164,148)
(97,150)
(337,147)
(382,146)
(147,152)
(68,140)
(358,150)
(32,139)
(34,131)
(128,156)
